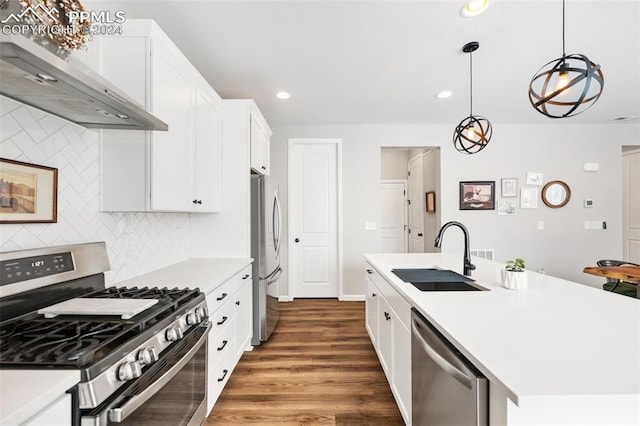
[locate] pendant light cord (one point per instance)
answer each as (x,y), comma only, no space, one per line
(470,84)
(564,53)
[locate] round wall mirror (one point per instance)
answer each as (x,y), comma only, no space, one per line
(556,194)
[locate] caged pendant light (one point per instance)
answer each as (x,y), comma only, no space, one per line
(566,86)
(474,132)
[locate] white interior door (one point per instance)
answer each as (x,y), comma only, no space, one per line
(313,217)
(631,206)
(416,205)
(393,220)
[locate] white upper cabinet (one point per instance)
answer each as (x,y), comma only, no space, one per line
(177,170)
(260,144)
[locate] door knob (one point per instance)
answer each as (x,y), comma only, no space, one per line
(297,240)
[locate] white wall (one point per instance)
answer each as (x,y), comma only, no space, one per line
(136,242)
(393,163)
(559,151)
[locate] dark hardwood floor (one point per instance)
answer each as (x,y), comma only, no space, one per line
(318,367)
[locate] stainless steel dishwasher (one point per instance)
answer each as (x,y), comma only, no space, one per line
(447,389)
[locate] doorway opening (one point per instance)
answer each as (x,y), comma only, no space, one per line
(407,175)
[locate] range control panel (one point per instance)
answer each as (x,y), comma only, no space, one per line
(29,268)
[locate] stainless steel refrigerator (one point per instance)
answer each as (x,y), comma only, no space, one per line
(265,251)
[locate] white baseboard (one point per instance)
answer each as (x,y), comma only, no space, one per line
(352,298)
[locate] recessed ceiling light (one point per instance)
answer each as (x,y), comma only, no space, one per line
(444,94)
(474,8)
(283,95)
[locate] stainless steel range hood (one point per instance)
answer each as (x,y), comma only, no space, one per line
(31,74)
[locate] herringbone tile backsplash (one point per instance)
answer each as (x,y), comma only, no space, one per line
(137,242)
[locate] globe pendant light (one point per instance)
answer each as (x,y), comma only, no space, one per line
(566,86)
(474,132)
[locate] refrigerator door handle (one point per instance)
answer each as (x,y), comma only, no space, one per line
(273,273)
(276,221)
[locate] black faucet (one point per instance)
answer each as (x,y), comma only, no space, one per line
(468,266)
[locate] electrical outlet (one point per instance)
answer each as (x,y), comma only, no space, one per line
(540,224)
(597,224)
(370,226)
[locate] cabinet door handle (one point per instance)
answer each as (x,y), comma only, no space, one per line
(237,303)
(222,297)
(369,271)
(224,374)
(197,201)
(373,295)
(224,343)
(297,240)
(245,277)
(224,319)
(263,167)
(387,316)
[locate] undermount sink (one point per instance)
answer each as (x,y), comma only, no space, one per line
(433,279)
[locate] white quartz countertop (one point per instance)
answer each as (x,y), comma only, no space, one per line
(555,342)
(203,273)
(23,393)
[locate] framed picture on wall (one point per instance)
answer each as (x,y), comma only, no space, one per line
(28,193)
(529,198)
(478,195)
(431,202)
(509,187)
(534,178)
(507,207)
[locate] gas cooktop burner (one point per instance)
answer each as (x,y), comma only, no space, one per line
(79,341)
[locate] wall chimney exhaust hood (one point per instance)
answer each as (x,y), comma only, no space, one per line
(31,74)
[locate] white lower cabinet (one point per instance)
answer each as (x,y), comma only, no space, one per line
(229,307)
(56,414)
(244,311)
(387,321)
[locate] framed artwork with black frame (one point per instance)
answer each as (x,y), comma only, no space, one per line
(28,192)
(478,195)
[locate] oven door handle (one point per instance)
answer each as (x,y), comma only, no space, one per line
(120,414)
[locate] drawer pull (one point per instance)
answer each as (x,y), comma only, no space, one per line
(237,303)
(369,271)
(245,277)
(222,321)
(224,374)
(224,343)
(387,316)
(222,297)
(373,295)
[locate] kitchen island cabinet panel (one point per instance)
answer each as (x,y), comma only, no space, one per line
(56,414)
(542,348)
(391,338)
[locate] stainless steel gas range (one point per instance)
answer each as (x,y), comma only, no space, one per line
(141,352)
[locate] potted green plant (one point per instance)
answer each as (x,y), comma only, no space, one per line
(514,276)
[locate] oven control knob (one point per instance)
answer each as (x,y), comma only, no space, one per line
(202,311)
(147,356)
(193,318)
(129,370)
(172,334)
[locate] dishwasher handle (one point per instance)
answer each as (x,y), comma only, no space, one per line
(450,369)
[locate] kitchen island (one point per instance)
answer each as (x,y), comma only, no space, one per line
(557,352)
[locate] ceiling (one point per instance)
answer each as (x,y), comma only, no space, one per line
(383,62)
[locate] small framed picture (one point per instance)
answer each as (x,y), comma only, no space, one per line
(509,187)
(529,198)
(478,195)
(534,178)
(431,202)
(507,207)
(28,193)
